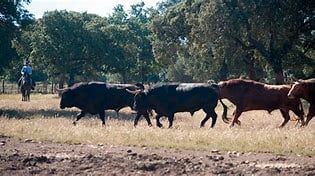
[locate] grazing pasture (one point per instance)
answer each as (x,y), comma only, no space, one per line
(42,120)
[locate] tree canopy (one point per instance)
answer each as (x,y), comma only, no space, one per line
(180,40)
(222,35)
(13,17)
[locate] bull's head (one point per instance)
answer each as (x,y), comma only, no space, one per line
(141,101)
(296,90)
(66,99)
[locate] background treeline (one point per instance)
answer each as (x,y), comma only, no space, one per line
(179,40)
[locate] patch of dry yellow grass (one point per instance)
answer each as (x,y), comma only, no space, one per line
(41,119)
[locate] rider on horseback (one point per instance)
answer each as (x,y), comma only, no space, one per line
(26,70)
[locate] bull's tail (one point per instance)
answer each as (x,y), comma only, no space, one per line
(224,115)
(302,112)
(300,117)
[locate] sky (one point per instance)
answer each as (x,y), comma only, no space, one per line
(100,7)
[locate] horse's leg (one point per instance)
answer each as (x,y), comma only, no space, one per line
(23,95)
(28,95)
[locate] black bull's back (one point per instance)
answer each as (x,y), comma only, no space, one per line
(95,98)
(182,98)
(167,99)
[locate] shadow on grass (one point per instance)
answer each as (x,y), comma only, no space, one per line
(29,114)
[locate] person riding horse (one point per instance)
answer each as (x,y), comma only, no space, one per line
(26,71)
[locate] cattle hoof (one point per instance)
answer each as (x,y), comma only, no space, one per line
(150,125)
(159,125)
(226,120)
(74,123)
(303,124)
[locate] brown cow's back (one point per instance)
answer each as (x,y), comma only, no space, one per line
(252,95)
(249,95)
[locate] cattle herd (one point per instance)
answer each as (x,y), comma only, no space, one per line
(166,99)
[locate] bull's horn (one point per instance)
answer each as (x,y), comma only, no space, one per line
(133,91)
(57,89)
(60,90)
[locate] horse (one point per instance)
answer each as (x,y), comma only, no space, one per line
(26,85)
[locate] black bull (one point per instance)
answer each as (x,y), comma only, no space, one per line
(96,97)
(167,99)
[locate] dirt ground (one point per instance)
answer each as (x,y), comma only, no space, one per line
(27,157)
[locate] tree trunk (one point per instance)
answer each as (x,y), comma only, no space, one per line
(142,74)
(124,78)
(279,78)
(71,79)
(3,86)
(251,66)
(276,64)
(223,72)
(61,81)
(252,72)
(61,84)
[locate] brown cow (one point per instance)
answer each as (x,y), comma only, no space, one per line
(305,89)
(249,95)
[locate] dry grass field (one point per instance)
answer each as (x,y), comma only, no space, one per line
(42,120)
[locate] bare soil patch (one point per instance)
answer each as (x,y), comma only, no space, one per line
(27,157)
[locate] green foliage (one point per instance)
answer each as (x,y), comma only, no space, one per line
(186,41)
(245,37)
(71,44)
(269,30)
(169,31)
(166,4)
(13,16)
(132,57)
